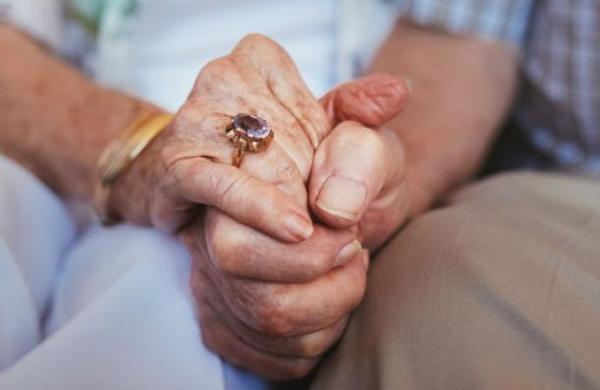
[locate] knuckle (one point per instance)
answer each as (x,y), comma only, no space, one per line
(209,80)
(323,340)
(215,64)
(254,40)
(297,369)
(313,347)
(318,258)
(213,68)
(285,171)
(227,192)
(273,318)
(209,338)
(273,326)
(316,263)
(228,249)
(359,284)
(218,340)
(351,292)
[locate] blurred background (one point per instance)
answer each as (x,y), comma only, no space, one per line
(155,48)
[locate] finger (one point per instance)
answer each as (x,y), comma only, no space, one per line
(219,338)
(275,166)
(207,140)
(351,167)
(307,346)
(304,346)
(240,251)
(371,100)
(295,309)
(285,82)
(251,201)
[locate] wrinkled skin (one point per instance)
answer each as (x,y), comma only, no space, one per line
(359,176)
(190,163)
(273,289)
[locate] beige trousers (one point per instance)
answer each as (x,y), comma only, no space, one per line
(500,289)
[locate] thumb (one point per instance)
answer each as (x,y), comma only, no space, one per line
(351,167)
(371,100)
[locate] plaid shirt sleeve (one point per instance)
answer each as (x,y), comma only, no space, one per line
(502,20)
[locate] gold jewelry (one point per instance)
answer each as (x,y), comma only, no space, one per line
(121,153)
(249,133)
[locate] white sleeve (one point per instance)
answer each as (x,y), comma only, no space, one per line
(42,19)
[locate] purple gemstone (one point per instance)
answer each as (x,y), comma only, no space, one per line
(253,127)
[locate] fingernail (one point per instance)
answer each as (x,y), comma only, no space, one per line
(299,227)
(347,253)
(365,254)
(342,197)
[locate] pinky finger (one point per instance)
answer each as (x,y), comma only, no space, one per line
(219,338)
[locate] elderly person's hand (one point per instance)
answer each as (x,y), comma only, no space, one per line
(271,307)
(268,305)
(281,287)
(399,171)
(190,163)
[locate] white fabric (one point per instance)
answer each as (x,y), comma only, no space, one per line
(43,19)
(159,54)
(122,316)
(35,231)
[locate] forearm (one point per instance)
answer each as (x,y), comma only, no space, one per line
(463,89)
(53,120)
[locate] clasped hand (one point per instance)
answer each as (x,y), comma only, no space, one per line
(277,245)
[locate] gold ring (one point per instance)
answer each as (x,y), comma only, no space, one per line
(248,133)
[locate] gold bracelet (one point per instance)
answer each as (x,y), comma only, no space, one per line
(121,153)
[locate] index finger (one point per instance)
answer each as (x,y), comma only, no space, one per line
(241,251)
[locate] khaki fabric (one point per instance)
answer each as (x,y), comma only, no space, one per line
(500,289)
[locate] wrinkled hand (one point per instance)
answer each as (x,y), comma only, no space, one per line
(359,176)
(273,291)
(189,164)
(270,306)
